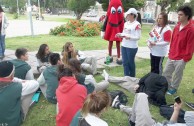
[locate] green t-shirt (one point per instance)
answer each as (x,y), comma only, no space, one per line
(10,104)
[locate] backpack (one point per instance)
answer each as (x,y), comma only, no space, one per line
(122,96)
(167,110)
(155,86)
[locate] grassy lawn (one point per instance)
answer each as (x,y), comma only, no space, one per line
(56,42)
(43,113)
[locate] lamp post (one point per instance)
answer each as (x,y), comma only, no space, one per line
(29,9)
(39,17)
(18,11)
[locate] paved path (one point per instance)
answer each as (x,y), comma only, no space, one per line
(22,27)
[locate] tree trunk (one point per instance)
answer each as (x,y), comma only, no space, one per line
(78,16)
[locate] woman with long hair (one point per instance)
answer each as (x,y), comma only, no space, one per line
(158,42)
(87,80)
(3,25)
(88,64)
(131,34)
(94,105)
(43,57)
(70,96)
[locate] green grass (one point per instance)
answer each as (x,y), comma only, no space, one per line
(56,42)
(43,113)
(57,19)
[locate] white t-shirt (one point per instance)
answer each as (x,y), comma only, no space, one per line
(132,30)
(163,39)
(95,121)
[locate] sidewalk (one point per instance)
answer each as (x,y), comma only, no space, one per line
(143,52)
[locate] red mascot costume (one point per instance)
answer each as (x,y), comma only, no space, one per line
(113,24)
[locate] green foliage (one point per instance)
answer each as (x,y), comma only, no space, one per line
(191,4)
(80,6)
(126,4)
(77,28)
(12,4)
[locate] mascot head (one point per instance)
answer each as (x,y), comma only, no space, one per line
(115,13)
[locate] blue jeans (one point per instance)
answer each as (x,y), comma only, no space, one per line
(2,45)
(128,57)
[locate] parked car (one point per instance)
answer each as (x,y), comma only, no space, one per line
(148,20)
(92,14)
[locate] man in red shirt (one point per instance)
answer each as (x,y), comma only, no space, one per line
(181,49)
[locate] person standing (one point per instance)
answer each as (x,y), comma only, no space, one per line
(158,42)
(131,34)
(3,25)
(181,49)
(114,23)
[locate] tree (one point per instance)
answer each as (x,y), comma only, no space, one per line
(126,4)
(191,4)
(175,5)
(12,4)
(80,6)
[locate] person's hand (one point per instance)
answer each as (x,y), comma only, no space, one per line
(152,44)
(177,106)
(118,35)
(136,87)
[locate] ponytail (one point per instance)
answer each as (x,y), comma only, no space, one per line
(95,103)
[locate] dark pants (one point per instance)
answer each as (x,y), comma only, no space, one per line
(128,57)
(2,45)
(156,64)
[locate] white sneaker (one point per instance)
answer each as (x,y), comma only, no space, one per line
(106,75)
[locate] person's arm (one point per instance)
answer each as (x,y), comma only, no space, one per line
(175,114)
(6,22)
(29,75)
(41,79)
(39,62)
(189,46)
(29,86)
(136,36)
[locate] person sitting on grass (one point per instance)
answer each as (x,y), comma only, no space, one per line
(88,64)
(15,95)
(42,57)
(70,96)
(154,85)
(87,80)
(22,68)
(94,106)
(139,114)
(48,79)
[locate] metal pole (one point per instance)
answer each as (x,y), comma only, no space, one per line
(30,17)
(18,11)
(39,10)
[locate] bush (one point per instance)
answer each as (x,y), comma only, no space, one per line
(77,28)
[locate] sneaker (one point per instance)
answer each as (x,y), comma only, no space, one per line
(106,75)
(119,62)
(191,105)
(116,103)
(171,91)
